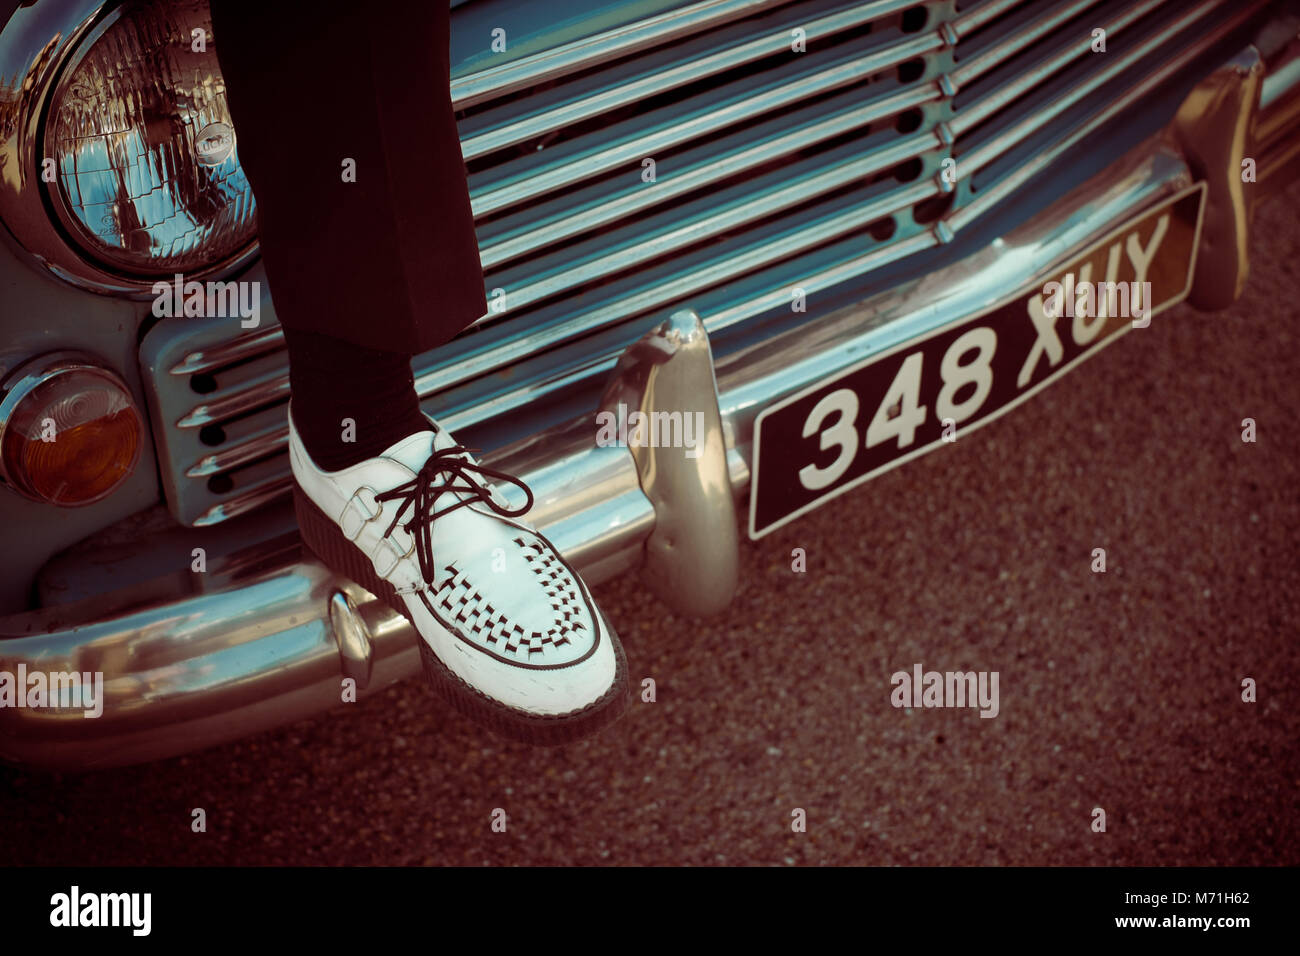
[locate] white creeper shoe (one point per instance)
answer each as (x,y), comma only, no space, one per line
(509,634)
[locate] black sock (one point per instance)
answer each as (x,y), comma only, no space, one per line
(332,380)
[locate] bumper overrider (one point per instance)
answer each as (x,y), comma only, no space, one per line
(273,634)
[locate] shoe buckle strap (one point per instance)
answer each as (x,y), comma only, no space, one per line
(388,555)
(360,509)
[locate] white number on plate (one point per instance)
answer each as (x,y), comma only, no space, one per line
(905,392)
(904,395)
(977,371)
(842,433)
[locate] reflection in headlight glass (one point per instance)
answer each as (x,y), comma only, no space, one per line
(148,174)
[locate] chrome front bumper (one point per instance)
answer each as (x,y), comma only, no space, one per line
(273,633)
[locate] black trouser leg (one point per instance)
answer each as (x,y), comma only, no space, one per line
(391,260)
(349,402)
(388,262)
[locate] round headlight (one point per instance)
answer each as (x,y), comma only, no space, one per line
(148,180)
(69,432)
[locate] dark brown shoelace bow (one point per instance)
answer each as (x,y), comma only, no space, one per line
(420,495)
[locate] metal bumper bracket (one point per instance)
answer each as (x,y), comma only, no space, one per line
(692,555)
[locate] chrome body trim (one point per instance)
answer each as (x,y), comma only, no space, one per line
(588,52)
(356,647)
(226,353)
(266,637)
(1007,186)
(1006,94)
(1227,99)
(714,167)
(692,556)
(657,80)
(1114,66)
(263,636)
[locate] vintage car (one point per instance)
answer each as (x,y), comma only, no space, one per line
(831,233)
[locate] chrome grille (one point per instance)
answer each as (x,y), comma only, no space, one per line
(774,170)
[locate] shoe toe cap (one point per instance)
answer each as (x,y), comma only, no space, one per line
(556,690)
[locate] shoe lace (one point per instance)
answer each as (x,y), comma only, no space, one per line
(420,495)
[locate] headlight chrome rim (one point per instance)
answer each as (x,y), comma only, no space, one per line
(179,148)
(60,31)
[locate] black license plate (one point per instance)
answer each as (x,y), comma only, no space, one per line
(821,442)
